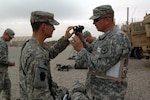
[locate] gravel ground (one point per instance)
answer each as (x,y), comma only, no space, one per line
(138,74)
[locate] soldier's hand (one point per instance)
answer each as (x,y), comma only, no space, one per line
(68,33)
(76,43)
(80,35)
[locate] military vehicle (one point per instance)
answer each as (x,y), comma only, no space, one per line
(139,35)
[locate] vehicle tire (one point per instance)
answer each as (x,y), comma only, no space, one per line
(132,53)
(138,53)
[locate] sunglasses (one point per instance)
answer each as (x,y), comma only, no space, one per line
(97,19)
(49,24)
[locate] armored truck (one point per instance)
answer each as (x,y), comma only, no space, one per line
(139,35)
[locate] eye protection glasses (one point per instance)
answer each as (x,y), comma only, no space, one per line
(100,18)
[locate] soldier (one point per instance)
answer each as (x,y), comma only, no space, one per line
(5,83)
(88,37)
(108,50)
(35,77)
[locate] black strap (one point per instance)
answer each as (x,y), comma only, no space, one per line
(21,56)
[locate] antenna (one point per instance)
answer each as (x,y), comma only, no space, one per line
(127,22)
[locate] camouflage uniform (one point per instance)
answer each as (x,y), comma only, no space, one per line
(79,64)
(78,92)
(35,76)
(107,50)
(5,83)
(34,72)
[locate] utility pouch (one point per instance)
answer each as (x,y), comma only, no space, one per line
(114,73)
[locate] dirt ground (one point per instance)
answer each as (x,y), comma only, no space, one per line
(138,74)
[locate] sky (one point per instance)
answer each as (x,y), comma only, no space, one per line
(15,14)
